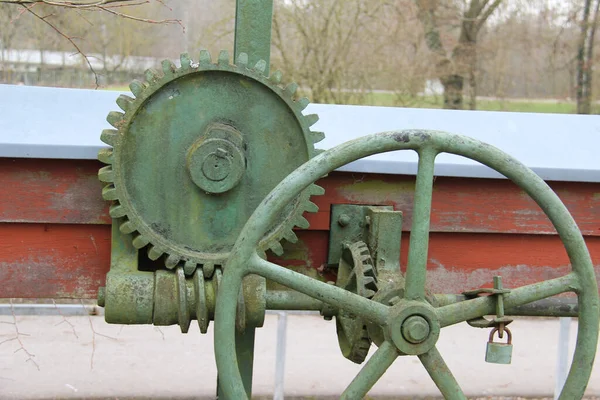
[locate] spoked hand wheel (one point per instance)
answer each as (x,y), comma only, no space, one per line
(412,325)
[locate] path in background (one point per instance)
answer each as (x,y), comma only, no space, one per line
(81,357)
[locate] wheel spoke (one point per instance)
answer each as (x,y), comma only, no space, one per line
(416,269)
(478,307)
(374,369)
(330,294)
(225,348)
(441,375)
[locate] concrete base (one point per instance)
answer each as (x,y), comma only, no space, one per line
(83,357)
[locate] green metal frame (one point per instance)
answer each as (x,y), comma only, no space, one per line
(244,260)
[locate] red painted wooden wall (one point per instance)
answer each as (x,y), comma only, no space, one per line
(55,229)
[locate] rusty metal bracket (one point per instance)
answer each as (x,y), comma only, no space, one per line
(500,321)
(379,226)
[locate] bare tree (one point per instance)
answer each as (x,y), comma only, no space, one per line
(51,13)
(585,50)
(323,45)
(459,65)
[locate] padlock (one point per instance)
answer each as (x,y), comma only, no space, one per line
(499,353)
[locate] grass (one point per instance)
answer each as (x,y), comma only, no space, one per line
(533,106)
(388,99)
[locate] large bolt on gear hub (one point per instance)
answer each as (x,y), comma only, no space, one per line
(196,151)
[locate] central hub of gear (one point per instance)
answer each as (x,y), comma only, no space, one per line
(415,329)
(216,162)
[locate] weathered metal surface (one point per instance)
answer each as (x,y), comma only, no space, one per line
(67,191)
(356,273)
(163,174)
(499,352)
(349,224)
(244,260)
(253,30)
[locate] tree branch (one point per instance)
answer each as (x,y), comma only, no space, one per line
(69,39)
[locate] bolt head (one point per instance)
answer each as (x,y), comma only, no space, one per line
(415,329)
(344,220)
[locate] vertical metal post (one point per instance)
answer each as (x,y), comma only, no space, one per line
(278,393)
(253,19)
(562,360)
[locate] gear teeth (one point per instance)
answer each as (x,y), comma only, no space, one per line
(168,67)
(110,136)
(208,269)
(155,79)
(117,211)
(189,267)
(317,136)
(242,60)
(290,236)
(125,102)
(205,58)
(223,58)
(139,242)
(301,222)
(105,156)
(260,67)
(127,227)
(368,293)
(369,281)
(291,89)
(316,190)
(276,248)
(172,261)
(109,193)
(116,119)
(311,207)
(311,119)
(106,174)
(186,61)
(137,87)
(303,103)
(152,75)
(394,300)
(154,253)
(276,77)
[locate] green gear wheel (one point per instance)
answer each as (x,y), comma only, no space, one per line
(149,179)
(356,273)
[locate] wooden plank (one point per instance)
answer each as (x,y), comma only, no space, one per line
(68,191)
(461,204)
(70,261)
(53,261)
(464,261)
(51,191)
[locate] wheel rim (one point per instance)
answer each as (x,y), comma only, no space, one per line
(244,260)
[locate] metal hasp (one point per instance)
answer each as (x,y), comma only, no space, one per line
(400,316)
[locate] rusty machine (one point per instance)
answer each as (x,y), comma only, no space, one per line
(211,166)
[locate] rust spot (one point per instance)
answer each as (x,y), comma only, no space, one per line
(401,137)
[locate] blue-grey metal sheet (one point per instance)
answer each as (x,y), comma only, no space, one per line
(41,122)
